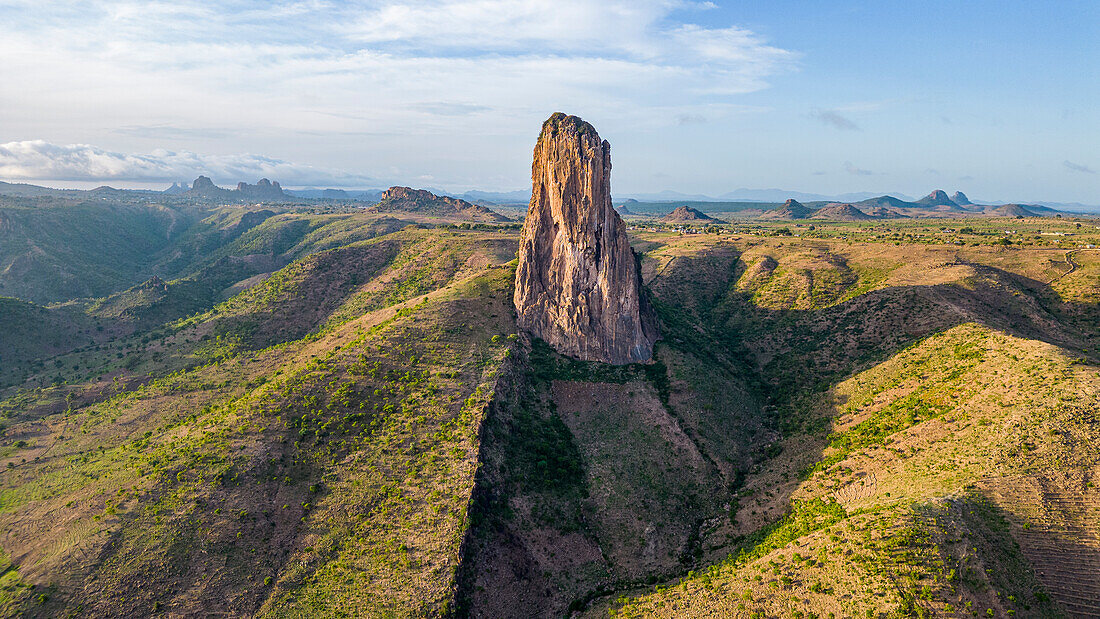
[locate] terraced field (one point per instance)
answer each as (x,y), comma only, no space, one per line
(1056,523)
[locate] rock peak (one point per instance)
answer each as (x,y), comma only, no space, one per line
(960,198)
(936,198)
(685,214)
(407,199)
(578,284)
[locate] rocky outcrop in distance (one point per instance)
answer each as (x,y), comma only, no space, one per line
(686,214)
(262,191)
(840,212)
(960,198)
(791,209)
(205,188)
(1011,210)
(937,198)
(578,283)
(424,202)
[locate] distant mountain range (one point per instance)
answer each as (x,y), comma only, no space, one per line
(935,204)
(776,196)
(361,195)
(270,191)
(779,195)
(374,195)
(772,196)
(887,207)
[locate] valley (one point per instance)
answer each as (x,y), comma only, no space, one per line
(330,411)
(334,309)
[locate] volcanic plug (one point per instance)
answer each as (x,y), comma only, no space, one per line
(578,285)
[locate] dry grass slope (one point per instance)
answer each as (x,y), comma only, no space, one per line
(299,478)
(893,417)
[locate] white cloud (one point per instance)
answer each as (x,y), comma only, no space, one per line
(254,63)
(37,159)
(319,81)
(559,26)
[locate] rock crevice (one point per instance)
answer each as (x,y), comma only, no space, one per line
(578,283)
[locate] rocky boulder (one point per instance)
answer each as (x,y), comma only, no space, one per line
(578,283)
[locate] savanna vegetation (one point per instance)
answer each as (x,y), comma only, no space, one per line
(297,411)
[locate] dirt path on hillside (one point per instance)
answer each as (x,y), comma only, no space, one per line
(1073,265)
(663,268)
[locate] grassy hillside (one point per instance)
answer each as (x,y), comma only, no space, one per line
(894,404)
(277,479)
(925,445)
(54,249)
(225,253)
(328,414)
(33,333)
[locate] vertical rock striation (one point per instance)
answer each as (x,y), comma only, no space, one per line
(578,284)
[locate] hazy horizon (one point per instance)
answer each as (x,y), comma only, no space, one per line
(781,194)
(695,97)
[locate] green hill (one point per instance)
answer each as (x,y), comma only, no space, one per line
(54,249)
(323,414)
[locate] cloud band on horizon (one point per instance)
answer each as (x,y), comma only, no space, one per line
(40,160)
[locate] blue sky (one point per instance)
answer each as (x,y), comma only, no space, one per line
(997,99)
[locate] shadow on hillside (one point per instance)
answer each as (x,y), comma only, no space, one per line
(976,541)
(1049,516)
(1004,563)
(701,309)
(787,355)
(725,364)
(230,532)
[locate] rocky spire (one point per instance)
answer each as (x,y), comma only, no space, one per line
(578,284)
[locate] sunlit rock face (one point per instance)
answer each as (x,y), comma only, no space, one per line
(577,284)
